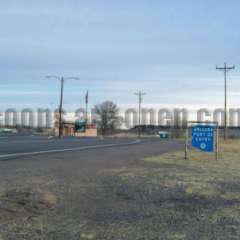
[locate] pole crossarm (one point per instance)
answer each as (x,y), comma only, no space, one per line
(53,76)
(225,68)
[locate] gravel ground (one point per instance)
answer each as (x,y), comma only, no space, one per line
(69,195)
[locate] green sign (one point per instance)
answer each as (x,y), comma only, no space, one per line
(80,126)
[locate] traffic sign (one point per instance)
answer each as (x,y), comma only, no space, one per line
(203,137)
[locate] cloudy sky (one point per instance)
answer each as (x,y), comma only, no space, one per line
(169,49)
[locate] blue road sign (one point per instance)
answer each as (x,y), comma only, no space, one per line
(203,137)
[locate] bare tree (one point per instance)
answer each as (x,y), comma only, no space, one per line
(107,117)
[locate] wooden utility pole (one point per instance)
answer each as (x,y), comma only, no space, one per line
(225,69)
(139,94)
(60,133)
(86,107)
(62,79)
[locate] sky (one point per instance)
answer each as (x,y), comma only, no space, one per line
(168,49)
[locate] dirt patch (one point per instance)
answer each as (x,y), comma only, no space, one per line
(136,208)
(25,202)
(22,212)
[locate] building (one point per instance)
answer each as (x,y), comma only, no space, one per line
(69,129)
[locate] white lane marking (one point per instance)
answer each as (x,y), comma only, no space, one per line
(45,140)
(26,141)
(15,136)
(67,149)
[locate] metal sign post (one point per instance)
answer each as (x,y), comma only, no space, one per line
(204,137)
(216,142)
(186,144)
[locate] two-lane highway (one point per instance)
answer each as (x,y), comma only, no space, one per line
(19,146)
(15,146)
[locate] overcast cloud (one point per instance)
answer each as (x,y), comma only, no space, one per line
(167,48)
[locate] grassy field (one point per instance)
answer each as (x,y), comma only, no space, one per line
(168,197)
(160,197)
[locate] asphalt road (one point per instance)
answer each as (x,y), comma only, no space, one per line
(27,146)
(65,167)
(16,146)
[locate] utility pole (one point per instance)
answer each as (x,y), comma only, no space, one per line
(60,127)
(62,79)
(139,94)
(225,69)
(86,107)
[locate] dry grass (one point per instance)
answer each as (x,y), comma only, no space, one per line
(163,198)
(205,172)
(170,198)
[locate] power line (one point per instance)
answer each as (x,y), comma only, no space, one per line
(225,69)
